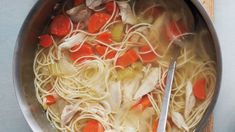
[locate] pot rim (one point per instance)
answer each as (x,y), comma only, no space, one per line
(22,100)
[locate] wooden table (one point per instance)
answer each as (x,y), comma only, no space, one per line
(209,5)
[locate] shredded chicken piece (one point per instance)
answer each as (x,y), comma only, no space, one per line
(126,13)
(68,113)
(149,83)
(92,4)
(179,121)
(79,13)
(154,35)
(66,67)
(70,42)
(136,37)
(115,97)
(130,86)
(190,100)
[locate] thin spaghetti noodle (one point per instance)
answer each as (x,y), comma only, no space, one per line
(94,87)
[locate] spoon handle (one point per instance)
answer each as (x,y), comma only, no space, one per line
(166,98)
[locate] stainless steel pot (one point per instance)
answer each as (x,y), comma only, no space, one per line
(25,51)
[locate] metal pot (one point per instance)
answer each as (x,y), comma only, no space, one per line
(25,51)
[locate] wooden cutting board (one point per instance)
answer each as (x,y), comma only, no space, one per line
(209,6)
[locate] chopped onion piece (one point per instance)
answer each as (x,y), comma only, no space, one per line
(68,113)
(92,4)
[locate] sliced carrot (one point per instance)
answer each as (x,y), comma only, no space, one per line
(60,26)
(93,126)
(78,2)
(45,40)
(50,99)
(85,50)
(174,29)
(127,58)
(105,37)
(155,125)
(156,121)
(110,55)
(96,21)
(142,104)
(110,7)
(199,89)
(147,57)
(100,50)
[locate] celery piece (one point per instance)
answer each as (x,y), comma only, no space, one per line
(117,32)
(137,66)
(125,73)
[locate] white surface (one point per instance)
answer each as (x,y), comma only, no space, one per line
(224,23)
(12,14)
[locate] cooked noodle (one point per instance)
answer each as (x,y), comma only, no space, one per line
(87,87)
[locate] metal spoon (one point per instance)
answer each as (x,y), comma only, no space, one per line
(170,75)
(167,93)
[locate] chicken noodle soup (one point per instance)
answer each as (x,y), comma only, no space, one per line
(101,65)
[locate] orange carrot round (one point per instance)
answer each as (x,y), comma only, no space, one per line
(93,126)
(85,50)
(147,57)
(96,21)
(50,99)
(174,29)
(110,7)
(199,89)
(155,125)
(45,40)
(142,104)
(60,26)
(127,58)
(78,2)
(100,50)
(105,37)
